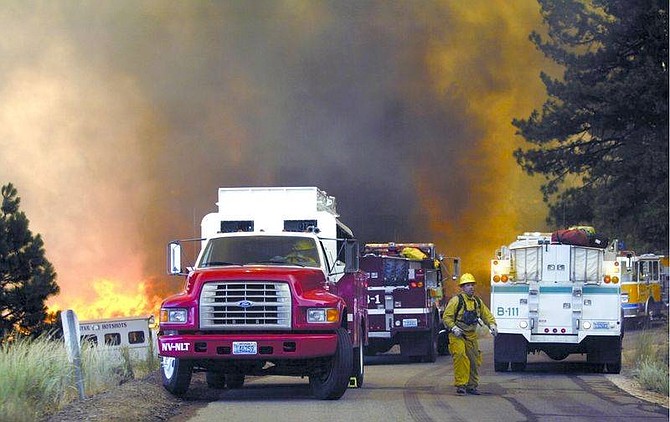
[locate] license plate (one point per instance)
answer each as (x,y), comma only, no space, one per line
(409,323)
(245,348)
(601,325)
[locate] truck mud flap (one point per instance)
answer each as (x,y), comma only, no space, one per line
(603,349)
(510,348)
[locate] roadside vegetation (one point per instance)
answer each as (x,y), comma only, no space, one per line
(650,360)
(38,380)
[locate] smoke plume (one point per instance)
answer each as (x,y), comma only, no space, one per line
(119,121)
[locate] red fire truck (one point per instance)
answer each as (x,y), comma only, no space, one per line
(275,290)
(405,298)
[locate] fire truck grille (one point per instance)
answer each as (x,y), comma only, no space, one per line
(248,305)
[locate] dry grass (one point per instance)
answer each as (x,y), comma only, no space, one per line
(650,360)
(37,378)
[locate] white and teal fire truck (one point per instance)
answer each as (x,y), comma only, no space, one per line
(557,298)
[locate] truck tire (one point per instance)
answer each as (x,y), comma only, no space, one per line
(234,381)
(443,342)
(501,366)
(176,374)
(359,366)
(649,314)
(615,367)
(333,382)
(432,345)
(216,380)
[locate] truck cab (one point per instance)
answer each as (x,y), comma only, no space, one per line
(275,290)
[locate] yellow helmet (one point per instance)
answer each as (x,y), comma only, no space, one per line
(466,278)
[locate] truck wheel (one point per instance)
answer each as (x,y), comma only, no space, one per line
(359,366)
(333,382)
(176,374)
(518,366)
(443,343)
(649,314)
(615,367)
(216,380)
(235,381)
(501,366)
(432,346)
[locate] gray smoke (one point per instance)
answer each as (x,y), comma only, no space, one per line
(119,120)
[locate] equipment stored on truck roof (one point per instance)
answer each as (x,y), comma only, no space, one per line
(275,290)
(557,298)
(405,288)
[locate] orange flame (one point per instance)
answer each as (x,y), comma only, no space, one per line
(113,298)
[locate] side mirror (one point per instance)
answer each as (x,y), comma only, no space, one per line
(350,256)
(174,258)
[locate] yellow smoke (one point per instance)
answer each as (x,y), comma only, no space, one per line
(492,68)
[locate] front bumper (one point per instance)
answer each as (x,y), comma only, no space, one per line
(632,310)
(269,346)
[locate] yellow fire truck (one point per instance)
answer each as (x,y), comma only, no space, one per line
(643,283)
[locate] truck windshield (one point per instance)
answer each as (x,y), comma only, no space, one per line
(271,250)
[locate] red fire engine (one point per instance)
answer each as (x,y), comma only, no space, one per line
(275,290)
(405,298)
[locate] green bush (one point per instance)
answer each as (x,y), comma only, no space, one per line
(653,375)
(651,362)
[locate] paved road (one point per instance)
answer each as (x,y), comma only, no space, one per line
(396,390)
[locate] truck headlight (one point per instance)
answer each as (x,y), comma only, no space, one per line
(323,315)
(176,315)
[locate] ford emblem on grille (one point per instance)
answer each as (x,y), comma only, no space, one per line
(245,304)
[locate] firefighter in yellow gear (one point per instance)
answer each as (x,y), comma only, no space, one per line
(463,314)
(303,253)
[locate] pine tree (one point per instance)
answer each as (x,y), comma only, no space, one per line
(27,278)
(601,138)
